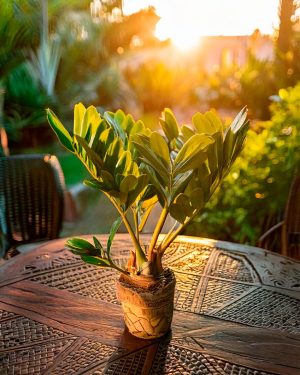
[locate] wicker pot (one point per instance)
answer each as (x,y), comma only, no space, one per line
(147,304)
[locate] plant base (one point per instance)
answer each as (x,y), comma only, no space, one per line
(148,310)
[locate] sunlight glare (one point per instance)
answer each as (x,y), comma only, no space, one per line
(185,21)
(183,39)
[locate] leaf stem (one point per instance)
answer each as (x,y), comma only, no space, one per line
(114,266)
(157,231)
(136,223)
(140,255)
(170,237)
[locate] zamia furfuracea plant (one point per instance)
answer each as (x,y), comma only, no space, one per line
(179,166)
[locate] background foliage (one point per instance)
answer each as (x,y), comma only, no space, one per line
(256,189)
(55,55)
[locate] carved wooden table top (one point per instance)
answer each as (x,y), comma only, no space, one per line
(237,312)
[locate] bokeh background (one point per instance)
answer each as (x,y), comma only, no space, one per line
(143,56)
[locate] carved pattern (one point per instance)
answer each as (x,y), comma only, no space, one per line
(189,258)
(172,359)
(32,360)
(219,293)
(29,347)
(278,271)
(4,315)
(179,248)
(83,280)
(21,330)
(232,369)
(264,308)
(89,353)
(45,262)
(233,267)
(185,290)
(131,364)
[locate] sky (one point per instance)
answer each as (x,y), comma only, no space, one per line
(185,21)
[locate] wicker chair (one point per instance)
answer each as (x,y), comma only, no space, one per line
(289,226)
(31,200)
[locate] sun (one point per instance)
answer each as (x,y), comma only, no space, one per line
(185,22)
(185,39)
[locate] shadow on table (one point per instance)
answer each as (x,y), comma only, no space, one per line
(138,356)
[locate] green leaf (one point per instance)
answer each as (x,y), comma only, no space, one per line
(79,243)
(96,261)
(113,230)
(160,190)
(79,110)
(228,147)
(149,158)
(213,158)
(239,120)
(133,168)
(215,155)
(192,153)
(62,134)
(107,179)
(214,120)
(145,210)
(123,163)
(160,147)
(95,136)
(142,183)
(180,183)
(128,183)
(95,184)
(177,213)
(97,243)
(106,138)
(197,198)
(196,143)
(138,127)
(240,141)
(113,121)
(113,154)
(169,124)
(205,185)
(90,121)
(201,179)
(119,118)
(90,158)
(234,142)
(128,124)
(182,200)
(203,124)
(187,132)
(79,246)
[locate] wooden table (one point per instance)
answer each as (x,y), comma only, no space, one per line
(237,312)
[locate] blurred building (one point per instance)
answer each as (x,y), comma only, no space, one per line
(234,49)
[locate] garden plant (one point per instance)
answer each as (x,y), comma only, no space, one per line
(179,166)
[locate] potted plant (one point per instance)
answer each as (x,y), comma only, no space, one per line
(178,166)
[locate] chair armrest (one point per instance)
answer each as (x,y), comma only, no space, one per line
(268,232)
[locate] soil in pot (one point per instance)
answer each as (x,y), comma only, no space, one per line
(147,305)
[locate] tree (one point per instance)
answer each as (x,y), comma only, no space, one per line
(286,11)
(288,44)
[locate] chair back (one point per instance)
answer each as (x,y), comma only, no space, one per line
(290,235)
(31,199)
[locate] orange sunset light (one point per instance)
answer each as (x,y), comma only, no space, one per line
(185,21)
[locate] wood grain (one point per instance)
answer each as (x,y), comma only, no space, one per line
(233,315)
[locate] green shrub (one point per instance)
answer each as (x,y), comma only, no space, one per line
(259,181)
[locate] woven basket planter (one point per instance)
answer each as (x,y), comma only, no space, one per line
(147,305)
